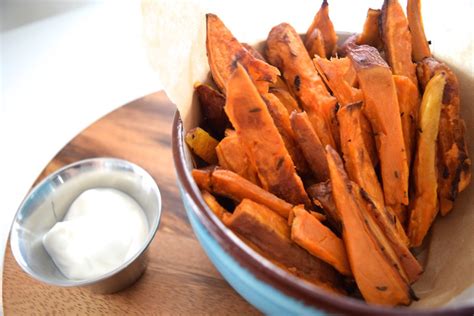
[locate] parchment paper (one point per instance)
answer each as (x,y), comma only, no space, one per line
(175,35)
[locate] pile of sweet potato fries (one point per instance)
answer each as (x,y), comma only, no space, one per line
(331,161)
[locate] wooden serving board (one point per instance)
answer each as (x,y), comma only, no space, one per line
(179,279)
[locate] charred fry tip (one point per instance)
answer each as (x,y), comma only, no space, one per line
(211,16)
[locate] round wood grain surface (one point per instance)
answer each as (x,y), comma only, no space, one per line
(179,279)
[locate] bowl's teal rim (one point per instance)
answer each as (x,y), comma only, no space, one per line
(269,273)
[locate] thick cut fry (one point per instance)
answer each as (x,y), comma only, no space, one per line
(369,140)
(286,51)
(231,185)
(203,178)
(315,44)
(387,235)
(323,23)
(281,118)
(376,232)
(224,52)
(322,193)
(420,46)
(381,108)
(320,217)
(454,164)
(286,99)
(319,240)
(378,281)
(270,232)
(359,166)
(397,40)
(281,90)
(231,156)
(370,34)
(408,101)
(262,142)
(212,108)
(310,145)
(332,73)
(215,207)
(425,203)
(202,144)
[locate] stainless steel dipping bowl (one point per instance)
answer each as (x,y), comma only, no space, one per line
(48,202)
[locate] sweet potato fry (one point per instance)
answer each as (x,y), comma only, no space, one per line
(378,281)
(425,204)
(202,144)
(322,192)
(369,140)
(286,51)
(269,232)
(215,207)
(224,52)
(392,237)
(397,40)
(304,275)
(281,118)
(332,73)
(231,185)
(323,23)
(260,138)
(203,178)
(420,46)
(319,240)
(359,166)
(286,99)
(212,108)
(408,101)
(231,156)
(319,216)
(382,109)
(310,145)
(281,90)
(315,44)
(370,34)
(454,164)
(350,75)
(376,231)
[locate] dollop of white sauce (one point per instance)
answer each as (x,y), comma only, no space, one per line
(102,229)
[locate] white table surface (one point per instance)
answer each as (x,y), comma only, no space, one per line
(64,64)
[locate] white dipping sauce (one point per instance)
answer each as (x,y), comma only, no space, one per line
(102,229)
